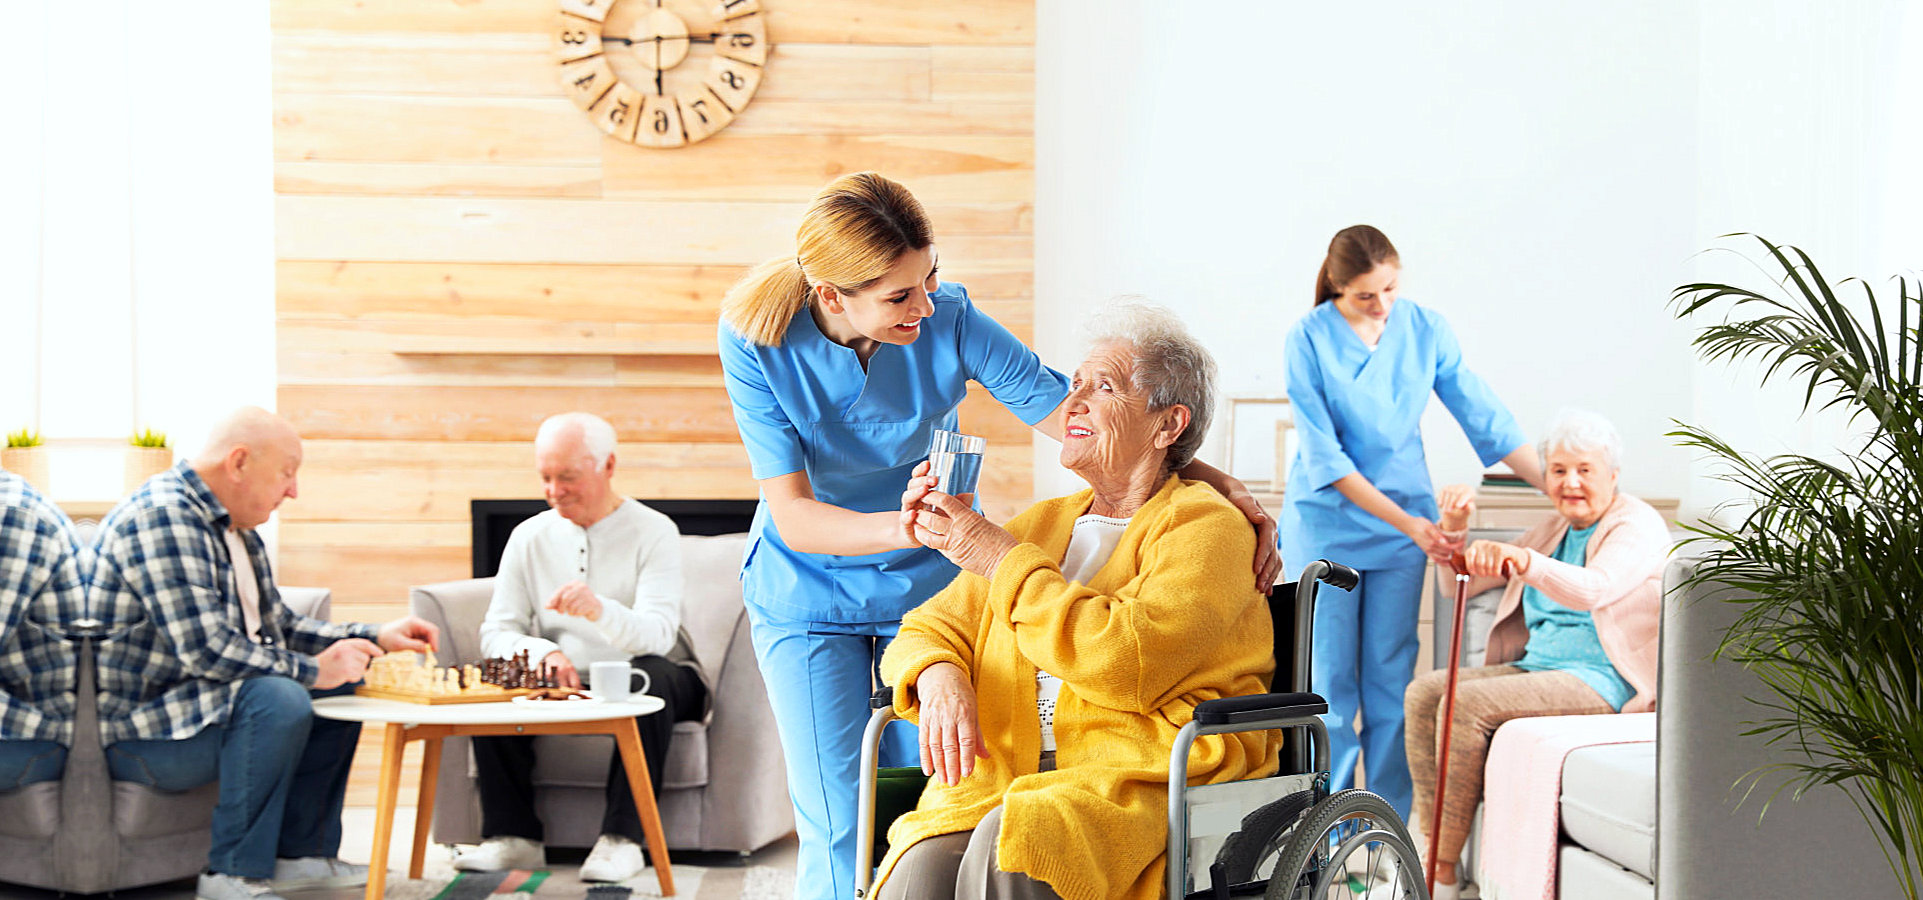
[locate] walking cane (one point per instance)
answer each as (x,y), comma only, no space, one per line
(1461,566)
(1448,716)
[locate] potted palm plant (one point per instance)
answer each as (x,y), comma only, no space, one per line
(147,455)
(1828,558)
(26,456)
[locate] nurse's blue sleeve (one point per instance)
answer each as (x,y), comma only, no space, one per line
(1322,459)
(774,446)
(999,361)
(1491,428)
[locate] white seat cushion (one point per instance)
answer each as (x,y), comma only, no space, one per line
(1609,803)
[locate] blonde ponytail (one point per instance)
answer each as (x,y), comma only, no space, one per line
(858,226)
(760,305)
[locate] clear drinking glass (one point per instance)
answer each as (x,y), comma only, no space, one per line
(956,459)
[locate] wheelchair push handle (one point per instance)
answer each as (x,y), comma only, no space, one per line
(1333,574)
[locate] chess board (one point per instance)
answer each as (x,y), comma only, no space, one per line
(431,699)
(416,678)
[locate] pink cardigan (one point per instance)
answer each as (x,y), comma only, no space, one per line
(1620,585)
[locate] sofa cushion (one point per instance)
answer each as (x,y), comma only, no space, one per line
(711,604)
(1581,875)
(1609,803)
(582,762)
(32,811)
(142,812)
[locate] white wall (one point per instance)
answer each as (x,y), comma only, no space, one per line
(137,222)
(1548,172)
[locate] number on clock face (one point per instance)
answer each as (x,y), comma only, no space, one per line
(626,63)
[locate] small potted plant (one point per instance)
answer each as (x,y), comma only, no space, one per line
(147,455)
(26,456)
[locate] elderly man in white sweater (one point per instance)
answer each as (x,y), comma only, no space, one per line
(596,578)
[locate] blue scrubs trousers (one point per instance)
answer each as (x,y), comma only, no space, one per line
(1364,658)
(820,676)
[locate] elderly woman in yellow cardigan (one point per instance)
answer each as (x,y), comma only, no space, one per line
(1051,677)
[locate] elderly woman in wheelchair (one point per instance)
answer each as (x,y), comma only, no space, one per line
(1051,678)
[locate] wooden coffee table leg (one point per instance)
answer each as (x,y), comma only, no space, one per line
(393,742)
(424,803)
(628,739)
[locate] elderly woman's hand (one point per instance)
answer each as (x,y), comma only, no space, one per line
(1496,559)
(962,534)
(1456,503)
(950,731)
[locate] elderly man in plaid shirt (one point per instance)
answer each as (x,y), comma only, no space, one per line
(211,677)
(40,586)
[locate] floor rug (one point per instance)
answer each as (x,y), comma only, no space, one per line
(692,882)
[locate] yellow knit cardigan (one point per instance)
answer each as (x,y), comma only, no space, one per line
(1172,619)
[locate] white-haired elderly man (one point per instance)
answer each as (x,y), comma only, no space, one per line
(211,678)
(597,578)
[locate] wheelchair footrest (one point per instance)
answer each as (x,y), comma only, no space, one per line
(1257,708)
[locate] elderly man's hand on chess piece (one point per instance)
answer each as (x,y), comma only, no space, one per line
(410,633)
(576,599)
(562,668)
(344,661)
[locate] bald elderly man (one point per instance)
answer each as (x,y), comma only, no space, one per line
(212,678)
(597,578)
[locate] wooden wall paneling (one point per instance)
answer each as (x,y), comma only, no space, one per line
(795,21)
(348,412)
(975,170)
(534,131)
(995,75)
(660,293)
(433,180)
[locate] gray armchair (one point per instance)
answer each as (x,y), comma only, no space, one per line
(724,785)
(86,833)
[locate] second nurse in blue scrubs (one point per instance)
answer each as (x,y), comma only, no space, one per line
(841,362)
(1361,367)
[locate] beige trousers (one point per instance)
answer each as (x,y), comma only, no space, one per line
(1486,697)
(961,867)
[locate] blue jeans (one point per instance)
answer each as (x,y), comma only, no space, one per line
(819,676)
(30,762)
(270,757)
(1364,658)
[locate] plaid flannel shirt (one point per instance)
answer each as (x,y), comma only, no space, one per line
(177,650)
(40,588)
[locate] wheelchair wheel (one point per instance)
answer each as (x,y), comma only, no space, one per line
(1352,846)
(1261,838)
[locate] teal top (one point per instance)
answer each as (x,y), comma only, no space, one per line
(1565,639)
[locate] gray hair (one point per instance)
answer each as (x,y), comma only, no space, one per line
(1582,431)
(597,436)
(1171,366)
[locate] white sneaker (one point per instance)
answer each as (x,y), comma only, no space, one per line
(317,872)
(213,886)
(614,858)
(497,853)
(1449,891)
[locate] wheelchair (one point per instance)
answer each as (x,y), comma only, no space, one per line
(1283,837)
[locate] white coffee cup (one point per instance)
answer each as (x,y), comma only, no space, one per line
(609,680)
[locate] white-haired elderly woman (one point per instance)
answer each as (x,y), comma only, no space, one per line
(1050,678)
(1575,632)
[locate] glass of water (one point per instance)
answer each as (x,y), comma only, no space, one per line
(956,459)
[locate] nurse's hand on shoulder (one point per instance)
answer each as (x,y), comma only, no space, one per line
(1268,555)
(950,731)
(963,535)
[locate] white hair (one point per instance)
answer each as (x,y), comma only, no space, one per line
(1582,431)
(1171,366)
(596,435)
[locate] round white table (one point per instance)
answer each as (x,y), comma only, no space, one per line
(430,723)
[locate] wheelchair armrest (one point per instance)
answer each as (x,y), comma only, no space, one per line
(1256,708)
(884,697)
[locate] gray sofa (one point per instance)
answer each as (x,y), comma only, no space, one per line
(1664,820)
(86,833)
(725,786)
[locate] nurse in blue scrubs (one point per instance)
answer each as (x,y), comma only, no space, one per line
(1361,367)
(841,362)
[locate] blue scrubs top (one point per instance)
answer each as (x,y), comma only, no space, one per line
(1358,410)
(807,405)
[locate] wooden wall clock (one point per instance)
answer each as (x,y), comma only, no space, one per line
(661,73)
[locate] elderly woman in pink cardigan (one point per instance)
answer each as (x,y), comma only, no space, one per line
(1575,633)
